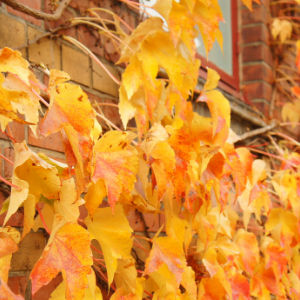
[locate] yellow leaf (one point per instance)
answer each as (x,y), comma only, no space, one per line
(94,196)
(281,28)
(126,275)
(67,205)
(114,235)
(12,61)
(212,80)
(34,176)
(92,292)
(10,237)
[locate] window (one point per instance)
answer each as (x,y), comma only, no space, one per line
(226,65)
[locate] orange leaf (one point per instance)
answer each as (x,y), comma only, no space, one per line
(166,250)
(248,245)
(7,245)
(69,253)
(240,287)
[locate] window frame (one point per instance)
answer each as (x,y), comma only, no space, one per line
(230,81)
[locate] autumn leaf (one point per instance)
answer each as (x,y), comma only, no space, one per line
(207,15)
(281,28)
(125,276)
(71,113)
(92,292)
(247,243)
(114,235)
(10,237)
(116,165)
(33,176)
(68,252)
(166,250)
(94,196)
(291,112)
(12,61)
(240,287)
(212,80)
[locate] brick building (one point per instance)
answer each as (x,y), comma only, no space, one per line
(247,81)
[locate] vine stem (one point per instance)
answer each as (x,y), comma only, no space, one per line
(10,133)
(141,248)
(13,140)
(5,158)
(104,277)
(10,183)
(275,156)
(142,237)
(42,218)
(112,13)
(91,55)
(106,104)
(96,249)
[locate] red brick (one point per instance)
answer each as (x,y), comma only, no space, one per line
(107,4)
(260,14)
(35,4)
(18,132)
(258,72)
(80,5)
(265,3)
(16,219)
(66,16)
(111,53)
(129,19)
(137,223)
(92,40)
(112,113)
(262,107)
(257,52)
(8,168)
(18,284)
(257,90)
(259,33)
(51,142)
(45,291)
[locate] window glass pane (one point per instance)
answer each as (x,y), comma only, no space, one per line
(224,62)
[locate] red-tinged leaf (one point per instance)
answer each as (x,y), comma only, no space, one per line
(72,114)
(166,250)
(7,245)
(240,287)
(69,253)
(115,165)
(6,293)
(276,254)
(219,108)
(248,245)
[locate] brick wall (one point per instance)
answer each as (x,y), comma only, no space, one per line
(17,29)
(257,66)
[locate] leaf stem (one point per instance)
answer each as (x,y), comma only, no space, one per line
(96,249)
(42,218)
(92,55)
(10,183)
(142,237)
(5,158)
(9,135)
(141,247)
